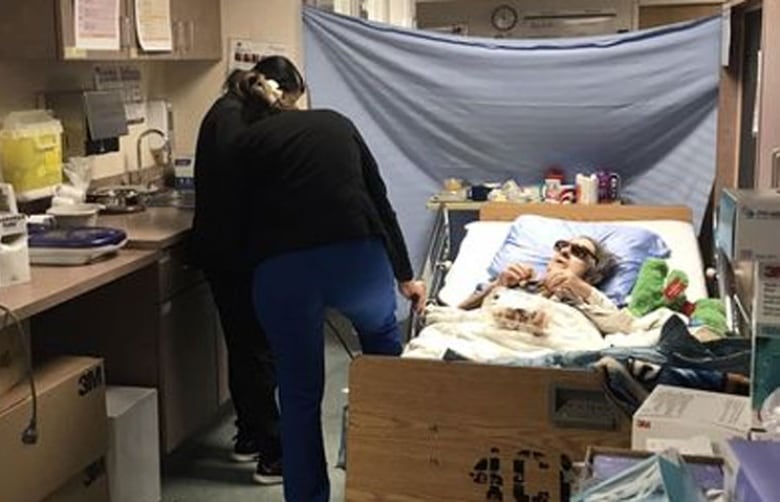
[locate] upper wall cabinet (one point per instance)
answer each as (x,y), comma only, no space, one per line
(45,29)
(195,28)
(65,33)
(198,25)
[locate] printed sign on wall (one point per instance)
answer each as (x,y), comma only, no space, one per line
(244,53)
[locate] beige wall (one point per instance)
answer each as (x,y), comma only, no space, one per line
(769,126)
(476,15)
(22,81)
(190,86)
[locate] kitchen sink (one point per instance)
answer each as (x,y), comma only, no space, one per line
(170,198)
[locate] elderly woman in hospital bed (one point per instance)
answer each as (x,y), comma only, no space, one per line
(521,313)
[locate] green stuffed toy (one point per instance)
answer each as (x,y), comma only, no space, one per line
(710,312)
(656,286)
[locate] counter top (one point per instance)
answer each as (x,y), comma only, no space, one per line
(51,286)
(148,232)
(154,228)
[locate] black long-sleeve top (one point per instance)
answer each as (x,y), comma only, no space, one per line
(218,209)
(310,181)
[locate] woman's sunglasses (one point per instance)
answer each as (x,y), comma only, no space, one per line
(576,250)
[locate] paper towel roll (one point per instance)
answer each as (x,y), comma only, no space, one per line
(62,201)
(70,192)
(587,189)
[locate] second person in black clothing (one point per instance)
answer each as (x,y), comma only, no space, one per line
(217,247)
(321,234)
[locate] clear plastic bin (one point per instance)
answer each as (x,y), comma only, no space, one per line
(31,153)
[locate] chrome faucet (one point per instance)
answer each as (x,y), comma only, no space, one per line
(139,153)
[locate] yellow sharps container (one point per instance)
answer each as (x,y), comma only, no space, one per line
(31,153)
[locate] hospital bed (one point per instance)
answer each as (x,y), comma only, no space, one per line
(453,430)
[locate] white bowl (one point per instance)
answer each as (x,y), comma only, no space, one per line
(75,215)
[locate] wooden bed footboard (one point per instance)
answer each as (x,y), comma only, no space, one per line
(508,211)
(424,430)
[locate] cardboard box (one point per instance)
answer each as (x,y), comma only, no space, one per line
(12,358)
(748,221)
(681,415)
(72,428)
(134,445)
(89,485)
(765,367)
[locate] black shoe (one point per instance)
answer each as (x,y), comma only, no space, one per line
(245,449)
(268,473)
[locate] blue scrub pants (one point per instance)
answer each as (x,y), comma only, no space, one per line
(291,293)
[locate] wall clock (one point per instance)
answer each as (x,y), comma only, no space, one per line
(504,18)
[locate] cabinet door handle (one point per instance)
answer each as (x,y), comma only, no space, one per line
(178,37)
(190,28)
(165,258)
(124,32)
(776,168)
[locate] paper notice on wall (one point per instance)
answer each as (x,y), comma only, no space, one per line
(128,81)
(153,25)
(96,24)
(244,53)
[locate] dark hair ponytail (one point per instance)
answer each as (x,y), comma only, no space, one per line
(258,104)
(283,71)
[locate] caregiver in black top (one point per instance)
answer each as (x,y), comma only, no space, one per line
(321,234)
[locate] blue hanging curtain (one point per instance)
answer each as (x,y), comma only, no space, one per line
(433,106)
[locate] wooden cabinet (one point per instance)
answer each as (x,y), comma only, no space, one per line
(157,327)
(189,378)
(66,33)
(32,29)
(45,29)
(196,32)
(197,29)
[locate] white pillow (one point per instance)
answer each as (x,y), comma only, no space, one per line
(484,238)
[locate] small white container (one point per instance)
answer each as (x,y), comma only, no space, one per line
(134,447)
(75,215)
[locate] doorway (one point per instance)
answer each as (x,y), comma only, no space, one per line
(749,120)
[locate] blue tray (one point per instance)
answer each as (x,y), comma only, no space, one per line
(76,238)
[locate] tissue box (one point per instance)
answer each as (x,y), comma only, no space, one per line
(678,414)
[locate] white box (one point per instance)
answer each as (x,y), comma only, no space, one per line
(748,222)
(765,367)
(14,252)
(674,413)
(134,445)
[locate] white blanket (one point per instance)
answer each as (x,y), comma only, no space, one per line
(478,336)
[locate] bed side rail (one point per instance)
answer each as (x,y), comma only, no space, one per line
(437,262)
